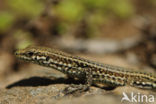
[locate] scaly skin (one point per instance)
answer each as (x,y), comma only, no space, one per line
(83,69)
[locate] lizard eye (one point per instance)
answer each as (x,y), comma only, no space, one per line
(30,53)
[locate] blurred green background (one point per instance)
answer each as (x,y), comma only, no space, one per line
(82,18)
(46,22)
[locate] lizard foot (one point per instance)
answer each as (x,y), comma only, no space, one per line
(72,89)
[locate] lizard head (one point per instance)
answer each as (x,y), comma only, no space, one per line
(33,54)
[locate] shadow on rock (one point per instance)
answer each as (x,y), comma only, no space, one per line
(42,81)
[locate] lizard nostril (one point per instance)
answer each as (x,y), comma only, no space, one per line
(15,52)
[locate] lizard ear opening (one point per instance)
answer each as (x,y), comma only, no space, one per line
(47,58)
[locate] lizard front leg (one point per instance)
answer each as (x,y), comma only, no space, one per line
(80,88)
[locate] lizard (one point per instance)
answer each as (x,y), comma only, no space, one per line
(83,69)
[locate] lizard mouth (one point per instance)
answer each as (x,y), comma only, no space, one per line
(18,54)
(21,56)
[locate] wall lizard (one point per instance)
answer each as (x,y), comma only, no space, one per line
(83,69)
